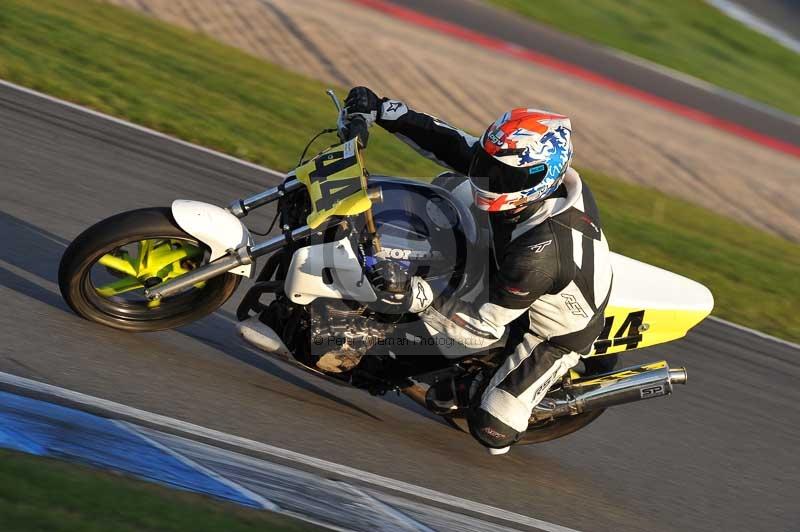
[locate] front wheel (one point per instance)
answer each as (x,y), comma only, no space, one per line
(105,270)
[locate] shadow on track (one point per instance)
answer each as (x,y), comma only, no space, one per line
(230,344)
(31,249)
(36,251)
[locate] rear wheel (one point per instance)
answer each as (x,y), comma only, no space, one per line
(557,428)
(546,431)
(104,272)
(562,426)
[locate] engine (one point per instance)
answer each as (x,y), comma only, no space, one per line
(334,323)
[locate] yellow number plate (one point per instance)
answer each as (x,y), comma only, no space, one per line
(336,183)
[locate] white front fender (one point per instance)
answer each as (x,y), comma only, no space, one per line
(215,227)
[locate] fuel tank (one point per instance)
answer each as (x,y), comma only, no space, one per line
(426,227)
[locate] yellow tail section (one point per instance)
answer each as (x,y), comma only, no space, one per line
(649,306)
(632,328)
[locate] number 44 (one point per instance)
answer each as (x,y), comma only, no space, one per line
(629,333)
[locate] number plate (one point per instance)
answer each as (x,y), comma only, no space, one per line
(336,183)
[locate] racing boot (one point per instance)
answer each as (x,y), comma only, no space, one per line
(441,397)
(447,396)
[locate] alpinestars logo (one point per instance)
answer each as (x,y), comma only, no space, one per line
(421,297)
(538,248)
(393,109)
(393,106)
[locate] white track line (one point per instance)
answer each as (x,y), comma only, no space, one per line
(386,509)
(756,23)
(156,420)
(703,85)
(754,332)
(130,428)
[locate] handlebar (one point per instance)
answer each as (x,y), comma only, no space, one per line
(357,127)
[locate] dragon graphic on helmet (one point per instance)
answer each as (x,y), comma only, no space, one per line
(524,157)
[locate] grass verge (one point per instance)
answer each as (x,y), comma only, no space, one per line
(44,494)
(687,35)
(195,88)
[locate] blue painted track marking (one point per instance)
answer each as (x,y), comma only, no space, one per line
(45,429)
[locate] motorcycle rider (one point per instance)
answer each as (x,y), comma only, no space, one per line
(550,274)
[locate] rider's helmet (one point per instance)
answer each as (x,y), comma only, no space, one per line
(521,161)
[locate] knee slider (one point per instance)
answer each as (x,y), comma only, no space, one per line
(490,431)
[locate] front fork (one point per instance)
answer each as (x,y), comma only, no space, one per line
(245,254)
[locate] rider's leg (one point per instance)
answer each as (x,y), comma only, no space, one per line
(516,387)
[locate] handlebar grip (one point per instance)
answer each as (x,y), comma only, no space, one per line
(358,128)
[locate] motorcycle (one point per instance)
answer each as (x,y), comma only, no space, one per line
(159,268)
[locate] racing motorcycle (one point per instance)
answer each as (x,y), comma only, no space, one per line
(160,268)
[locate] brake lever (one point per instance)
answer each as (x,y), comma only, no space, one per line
(340,127)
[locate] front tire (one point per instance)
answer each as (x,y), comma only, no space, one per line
(120,303)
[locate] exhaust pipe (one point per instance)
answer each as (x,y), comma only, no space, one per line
(602,391)
(678,376)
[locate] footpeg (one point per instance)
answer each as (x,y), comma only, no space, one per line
(441,398)
(450,395)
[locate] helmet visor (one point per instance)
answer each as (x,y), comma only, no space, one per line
(500,187)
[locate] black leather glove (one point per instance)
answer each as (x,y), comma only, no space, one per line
(398,292)
(389,276)
(362,102)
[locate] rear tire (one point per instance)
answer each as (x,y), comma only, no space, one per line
(558,428)
(563,426)
(74,274)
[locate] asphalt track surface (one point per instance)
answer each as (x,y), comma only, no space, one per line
(720,454)
(519,30)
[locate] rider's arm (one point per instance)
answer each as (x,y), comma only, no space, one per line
(432,138)
(523,277)
(429,136)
